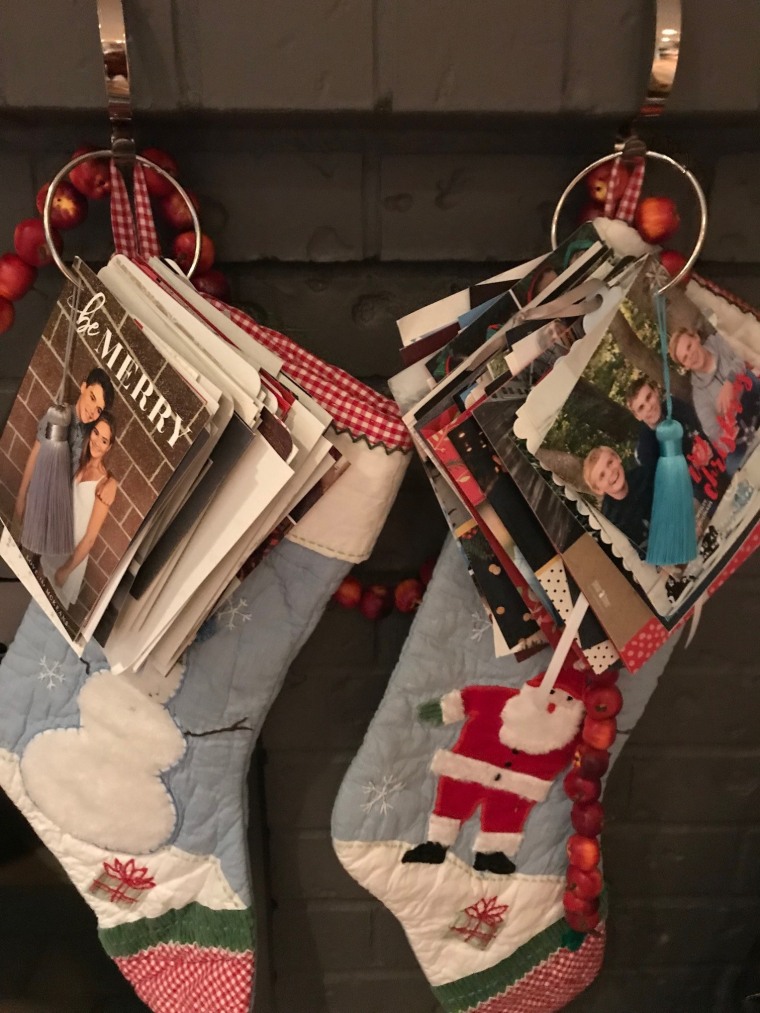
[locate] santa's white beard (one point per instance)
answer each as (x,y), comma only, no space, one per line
(528,725)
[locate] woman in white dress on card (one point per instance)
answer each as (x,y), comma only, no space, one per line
(93,490)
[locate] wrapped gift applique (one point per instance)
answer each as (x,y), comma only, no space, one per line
(480,923)
(123,882)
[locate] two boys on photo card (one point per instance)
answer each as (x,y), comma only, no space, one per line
(539,412)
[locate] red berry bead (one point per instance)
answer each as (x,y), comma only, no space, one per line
(408,594)
(603,702)
(587,818)
(591,762)
(599,734)
(158,185)
(175,210)
(586,883)
(16,276)
(68,207)
(183,248)
(580,788)
(212,283)
(349,592)
(376,602)
(583,851)
(573,902)
(30,243)
(92,178)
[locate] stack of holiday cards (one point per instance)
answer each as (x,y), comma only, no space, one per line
(533,400)
(189,452)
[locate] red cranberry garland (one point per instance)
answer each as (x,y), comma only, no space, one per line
(91,180)
(583,785)
(375,601)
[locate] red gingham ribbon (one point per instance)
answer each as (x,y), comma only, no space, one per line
(147,239)
(361,411)
(549,985)
(629,200)
(127,239)
(122,222)
(185,977)
(609,201)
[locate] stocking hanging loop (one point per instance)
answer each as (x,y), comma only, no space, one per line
(662,73)
(658,156)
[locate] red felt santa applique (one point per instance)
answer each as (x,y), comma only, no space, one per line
(512,746)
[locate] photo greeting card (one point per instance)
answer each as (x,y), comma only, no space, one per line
(100,459)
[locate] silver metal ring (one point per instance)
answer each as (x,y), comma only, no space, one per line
(699,192)
(107,153)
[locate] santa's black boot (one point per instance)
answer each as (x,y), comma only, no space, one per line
(430,852)
(493,861)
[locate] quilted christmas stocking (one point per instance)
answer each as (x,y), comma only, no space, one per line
(454,815)
(136,782)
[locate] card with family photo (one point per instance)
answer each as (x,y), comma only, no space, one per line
(600,443)
(99,426)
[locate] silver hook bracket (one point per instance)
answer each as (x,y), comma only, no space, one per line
(113,43)
(662,73)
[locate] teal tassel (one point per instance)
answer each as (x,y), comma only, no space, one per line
(672,527)
(672,537)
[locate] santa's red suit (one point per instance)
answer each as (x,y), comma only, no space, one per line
(500,764)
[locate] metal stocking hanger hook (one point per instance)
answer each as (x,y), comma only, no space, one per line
(662,75)
(113,42)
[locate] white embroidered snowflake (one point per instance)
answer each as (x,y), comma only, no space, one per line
(51,675)
(233,615)
(480,625)
(381,795)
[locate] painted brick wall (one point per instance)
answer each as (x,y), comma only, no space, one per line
(371,157)
(534,56)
